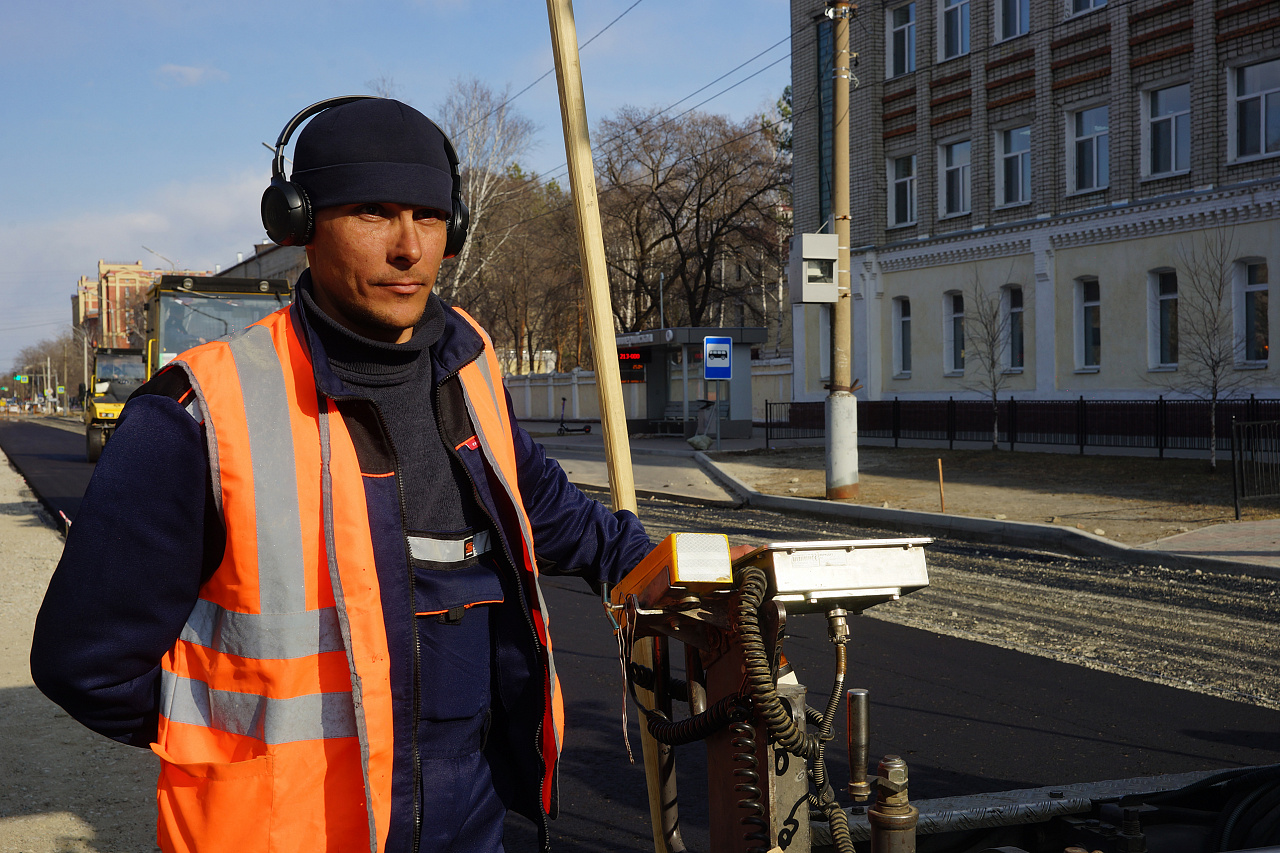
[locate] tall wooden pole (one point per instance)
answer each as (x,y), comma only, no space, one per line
(842,407)
(658,769)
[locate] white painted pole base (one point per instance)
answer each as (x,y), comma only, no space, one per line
(842,446)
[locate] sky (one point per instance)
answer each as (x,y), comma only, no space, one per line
(132,130)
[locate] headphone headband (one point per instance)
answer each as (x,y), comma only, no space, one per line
(286,210)
(277,162)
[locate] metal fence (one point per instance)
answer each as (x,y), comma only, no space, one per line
(1156,425)
(1255,460)
(793,420)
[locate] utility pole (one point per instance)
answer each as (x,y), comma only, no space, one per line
(842,407)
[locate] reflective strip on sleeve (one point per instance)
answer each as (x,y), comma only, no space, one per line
(271,636)
(281,576)
(315,716)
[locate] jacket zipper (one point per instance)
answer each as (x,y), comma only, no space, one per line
(524,601)
(415,748)
(417,651)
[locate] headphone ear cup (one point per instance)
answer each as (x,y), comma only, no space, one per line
(459,222)
(286,213)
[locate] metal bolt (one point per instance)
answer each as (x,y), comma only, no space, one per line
(894,769)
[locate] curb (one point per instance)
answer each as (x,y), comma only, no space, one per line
(1024,534)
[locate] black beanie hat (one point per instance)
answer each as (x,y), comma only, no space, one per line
(375,150)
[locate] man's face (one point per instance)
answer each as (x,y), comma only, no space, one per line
(374,264)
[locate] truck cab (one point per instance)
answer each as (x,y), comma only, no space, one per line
(186,311)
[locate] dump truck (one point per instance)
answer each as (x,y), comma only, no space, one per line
(184,311)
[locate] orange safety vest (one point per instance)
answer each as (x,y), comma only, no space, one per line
(275,728)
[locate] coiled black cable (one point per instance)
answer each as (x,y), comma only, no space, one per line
(755,824)
(769,707)
(752,586)
(698,727)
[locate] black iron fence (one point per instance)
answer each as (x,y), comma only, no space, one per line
(1255,460)
(1157,425)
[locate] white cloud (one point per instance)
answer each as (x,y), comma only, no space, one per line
(198,224)
(188,75)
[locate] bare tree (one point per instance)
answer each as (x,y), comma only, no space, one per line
(686,194)
(384,86)
(989,338)
(1201,334)
(490,136)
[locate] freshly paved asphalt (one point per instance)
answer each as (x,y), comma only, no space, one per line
(968,717)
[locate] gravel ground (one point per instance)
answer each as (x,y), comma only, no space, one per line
(65,789)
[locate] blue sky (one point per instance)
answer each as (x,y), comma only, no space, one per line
(131,123)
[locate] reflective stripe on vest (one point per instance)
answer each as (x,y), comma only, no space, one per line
(283,628)
(486,404)
(267,655)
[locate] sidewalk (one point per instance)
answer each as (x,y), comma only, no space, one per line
(667,466)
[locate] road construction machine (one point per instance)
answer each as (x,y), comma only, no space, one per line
(117,373)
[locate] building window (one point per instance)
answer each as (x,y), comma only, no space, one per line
(1251,311)
(953,333)
(1089,324)
(1164,318)
(1015,17)
(1088,154)
(1078,6)
(1015,351)
(955,178)
(902,40)
(1013,177)
(955,28)
(1169,130)
(1257,109)
(902,337)
(902,196)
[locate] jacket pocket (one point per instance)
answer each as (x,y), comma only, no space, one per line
(215,807)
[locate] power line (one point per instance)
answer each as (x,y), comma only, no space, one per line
(550,71)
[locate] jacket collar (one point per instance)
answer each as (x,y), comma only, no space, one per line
(459,344)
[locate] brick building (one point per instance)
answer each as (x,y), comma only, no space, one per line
(1068,156)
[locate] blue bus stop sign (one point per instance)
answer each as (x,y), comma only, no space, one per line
(717,358)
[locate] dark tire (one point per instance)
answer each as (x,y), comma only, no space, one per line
(586,430)
(560,431)
(94,439)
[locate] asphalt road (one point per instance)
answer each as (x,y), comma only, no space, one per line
(52,457)
(968,716)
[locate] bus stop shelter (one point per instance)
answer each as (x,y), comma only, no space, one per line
(678,399)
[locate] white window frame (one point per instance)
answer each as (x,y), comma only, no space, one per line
(1243,289)
(1083,7)
(911,184)
(901,334)
(964,174)
(909,36)
(952,325)
(1073,180)
(1014,313)
(1234,100)
(1156,316)
(1149,122)
(1003,156)
(959,12)
(1082,306)
(1022,19)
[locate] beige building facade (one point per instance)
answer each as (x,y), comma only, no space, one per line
(1074,161)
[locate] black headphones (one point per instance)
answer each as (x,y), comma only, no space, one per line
(286,210)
